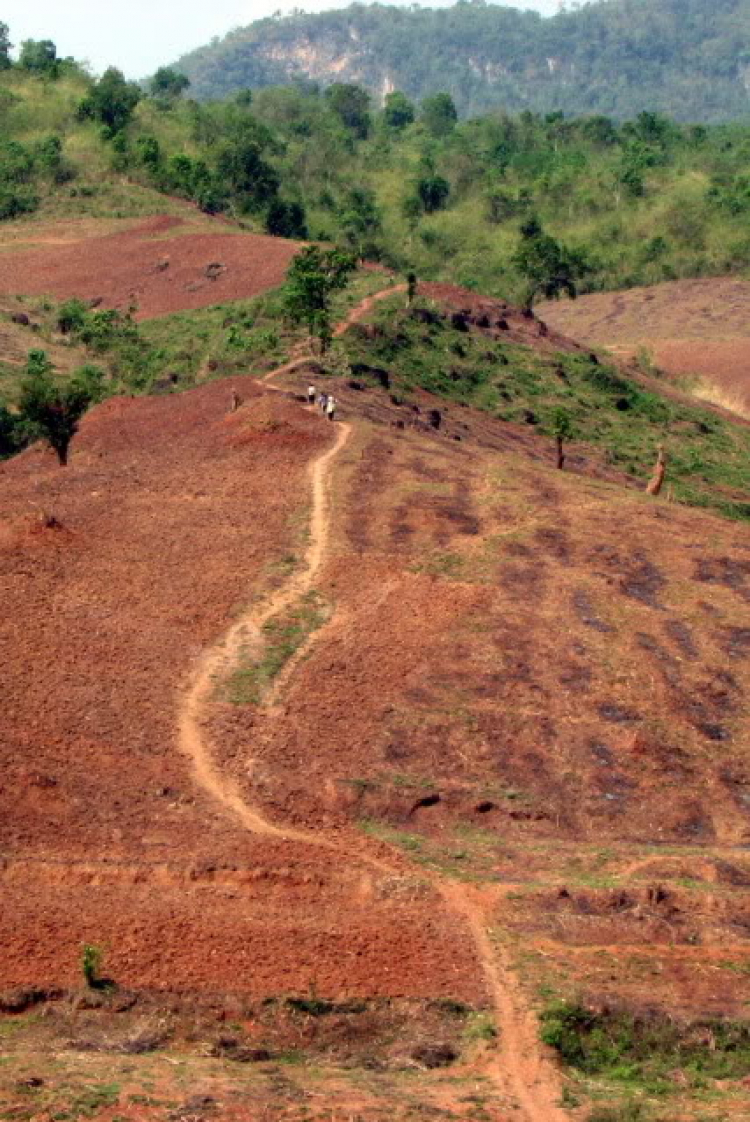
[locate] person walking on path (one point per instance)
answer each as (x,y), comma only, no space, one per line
(323,402)
(311,394)
(331,408)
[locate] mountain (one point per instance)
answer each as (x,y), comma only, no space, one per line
(688,58)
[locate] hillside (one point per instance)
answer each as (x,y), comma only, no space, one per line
(685,58)
(352,744)
(695,331)
(636,204)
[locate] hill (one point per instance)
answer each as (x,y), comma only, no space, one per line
(353,743)
(636,204)
(685,58)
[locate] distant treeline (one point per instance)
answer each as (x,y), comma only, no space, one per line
(689,59)
(406,182)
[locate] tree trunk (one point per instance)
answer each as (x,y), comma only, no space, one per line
(560,453)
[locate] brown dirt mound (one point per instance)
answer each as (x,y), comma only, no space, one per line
(152,265)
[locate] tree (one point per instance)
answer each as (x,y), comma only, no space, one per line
(411,288)
(39,56)
(11,435)
(433,191)
(5,47)
(52,410)
(312,278)
(242,169)
(111,100)
(438,114)
(562,430)
(360,219)
(398,111)
(351,104)
(286,220)
(548,268)
(168,83)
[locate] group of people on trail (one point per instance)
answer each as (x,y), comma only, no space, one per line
(326,402)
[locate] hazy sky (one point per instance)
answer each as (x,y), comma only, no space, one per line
(139,35)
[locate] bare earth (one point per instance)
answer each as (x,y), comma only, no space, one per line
(159,265)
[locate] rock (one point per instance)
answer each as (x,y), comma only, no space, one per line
(21,319)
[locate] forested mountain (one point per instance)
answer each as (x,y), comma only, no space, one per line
(687,58)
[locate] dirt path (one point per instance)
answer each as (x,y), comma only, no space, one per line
(219,660)
(520,1068)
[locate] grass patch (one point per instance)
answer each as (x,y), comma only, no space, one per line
(282,638)
(643,1051)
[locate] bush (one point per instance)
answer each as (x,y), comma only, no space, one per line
(50,410)
(645,1048)
(15,203)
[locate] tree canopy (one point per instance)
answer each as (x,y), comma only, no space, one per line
(687,58)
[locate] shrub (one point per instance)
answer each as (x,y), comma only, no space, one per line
(50,410)
(91,960)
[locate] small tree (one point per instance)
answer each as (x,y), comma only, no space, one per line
(438,114)
(50,410)
(360,220)
(313,276)
(398,111)
(243,171)
(433,192)
(562,430)
(411,288)
(351,104)
(168,83)
(5,47)
(111,100)
(286,220)
(39,56)
(548,267)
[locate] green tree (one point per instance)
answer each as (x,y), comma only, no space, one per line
(548,268)
(11,433)
(360,220)
(398,111)
(243,171)
(286,219)
(438,114)
(312,278)
(39,56)
(111,100)
(168,83)
(562,430)
(433,192)
(351,104)
(5,47)
(52,410)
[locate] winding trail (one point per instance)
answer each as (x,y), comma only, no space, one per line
(519,1067)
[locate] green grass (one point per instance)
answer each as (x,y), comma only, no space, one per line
(282,638)
(642,1051)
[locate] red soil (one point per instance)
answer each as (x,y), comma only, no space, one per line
(172,514)
(151,265)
